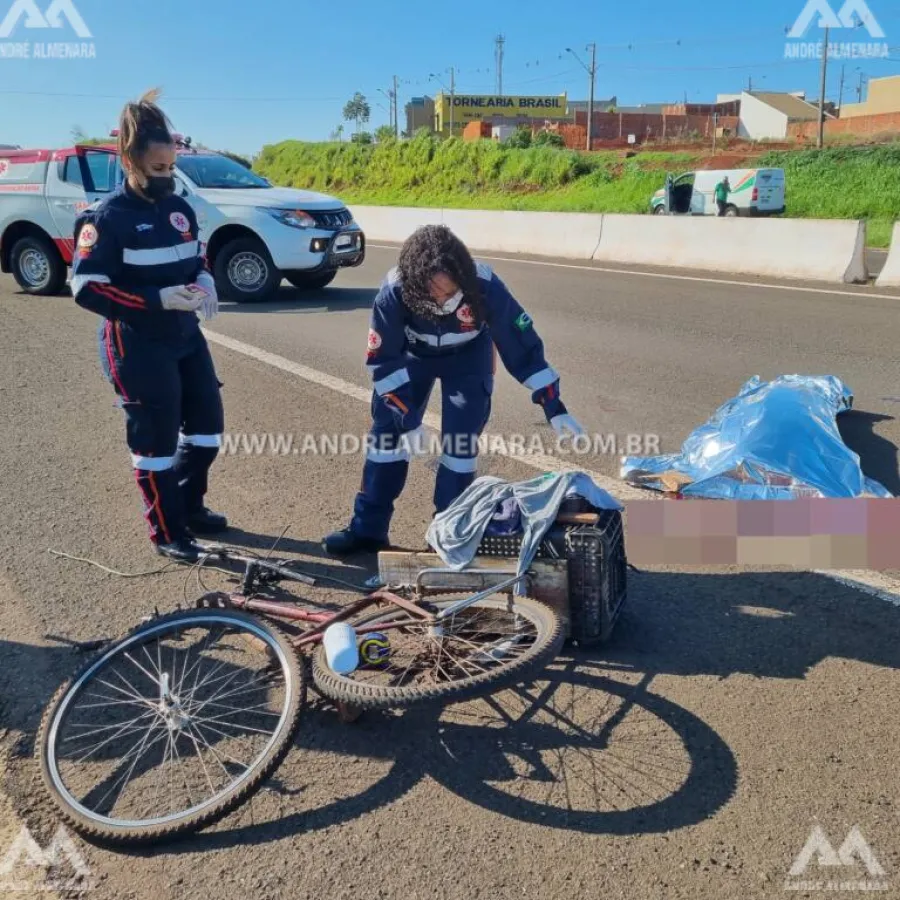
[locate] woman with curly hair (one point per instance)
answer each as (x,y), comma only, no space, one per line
(438,316)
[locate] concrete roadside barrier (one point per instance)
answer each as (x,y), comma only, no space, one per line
(830,250)
(815,249)
(393,223)
(566,235)
(890,274)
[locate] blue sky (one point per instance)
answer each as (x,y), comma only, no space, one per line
(238,75)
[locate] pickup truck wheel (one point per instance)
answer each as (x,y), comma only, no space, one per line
(308,282)
(731,212)
(244,271)
(37,267)
(660,210)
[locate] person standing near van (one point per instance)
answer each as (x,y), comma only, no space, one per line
(723,188)
(138,264)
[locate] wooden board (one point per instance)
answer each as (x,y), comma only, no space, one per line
(548,579)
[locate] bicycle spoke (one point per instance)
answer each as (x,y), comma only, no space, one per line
(217,757)
(123,780)
(114,687)
(212,787)
(227,723)
(127,729)
(162,767)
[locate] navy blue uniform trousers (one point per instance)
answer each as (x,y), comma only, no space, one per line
(467,383)
(170,395)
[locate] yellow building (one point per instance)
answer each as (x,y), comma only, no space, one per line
(884,97)
(468,108)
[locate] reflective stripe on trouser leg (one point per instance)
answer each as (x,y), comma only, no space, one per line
(196,454)
(202,424)
(387,463)
(454,475)
(145,377)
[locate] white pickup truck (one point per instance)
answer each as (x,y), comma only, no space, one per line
(254,234)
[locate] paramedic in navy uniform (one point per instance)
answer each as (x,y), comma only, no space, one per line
(138,264)
(438,315)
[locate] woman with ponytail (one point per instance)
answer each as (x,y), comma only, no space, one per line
(138,264)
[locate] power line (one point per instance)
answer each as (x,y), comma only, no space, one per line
(228,99)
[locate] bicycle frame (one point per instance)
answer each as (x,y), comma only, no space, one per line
(320,621)
(278,571)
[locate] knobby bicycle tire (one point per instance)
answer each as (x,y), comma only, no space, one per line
(549,641)
(102,833)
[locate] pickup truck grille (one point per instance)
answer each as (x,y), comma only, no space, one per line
(335,218)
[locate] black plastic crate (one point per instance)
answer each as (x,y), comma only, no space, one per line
(597,569)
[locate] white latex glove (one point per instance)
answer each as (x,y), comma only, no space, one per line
(209,308)
(179,297)
(415,441)
(566,424)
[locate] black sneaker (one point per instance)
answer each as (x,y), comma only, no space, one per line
(205,521)
(347,542)
(183,550)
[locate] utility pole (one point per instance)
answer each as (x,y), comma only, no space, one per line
(821,140)
(592,71)
(396,112)
(590,123)
(750,85)
(841,94)
(500,41)
(859,89)
(452,92)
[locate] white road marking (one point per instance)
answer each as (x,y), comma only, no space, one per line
(872,583)
(748,284)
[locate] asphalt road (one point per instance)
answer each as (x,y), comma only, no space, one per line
(691,757)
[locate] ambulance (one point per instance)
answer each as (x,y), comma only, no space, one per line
(254,234)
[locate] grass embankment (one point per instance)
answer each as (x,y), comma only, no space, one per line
(839,182)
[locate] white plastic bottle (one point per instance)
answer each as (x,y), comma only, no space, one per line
(341,650)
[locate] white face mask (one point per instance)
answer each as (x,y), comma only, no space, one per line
(452,304)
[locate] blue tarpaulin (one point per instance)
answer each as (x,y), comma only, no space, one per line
(776,440)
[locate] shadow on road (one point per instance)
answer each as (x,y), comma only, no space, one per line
(292,300)
(589,745)
(877,455)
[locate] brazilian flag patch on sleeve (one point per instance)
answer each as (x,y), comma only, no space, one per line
(523,323)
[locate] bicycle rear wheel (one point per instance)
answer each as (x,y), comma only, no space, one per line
(172,727)
(477,651)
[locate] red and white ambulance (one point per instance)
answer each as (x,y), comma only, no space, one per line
(254,233)
(41,193)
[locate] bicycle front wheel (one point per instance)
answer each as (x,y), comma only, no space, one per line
(481,649)
(172,727)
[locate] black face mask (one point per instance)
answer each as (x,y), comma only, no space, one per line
(159,187)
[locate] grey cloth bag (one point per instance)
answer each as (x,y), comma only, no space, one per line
(457,532)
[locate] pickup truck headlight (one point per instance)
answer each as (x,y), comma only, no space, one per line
(296,218)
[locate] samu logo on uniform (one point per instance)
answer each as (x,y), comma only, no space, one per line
(523,323)
(53,18)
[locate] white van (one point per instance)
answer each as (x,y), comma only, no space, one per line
(754,192)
